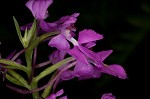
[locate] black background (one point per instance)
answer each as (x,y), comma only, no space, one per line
(115,19)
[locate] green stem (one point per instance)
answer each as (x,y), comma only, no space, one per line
(33,85)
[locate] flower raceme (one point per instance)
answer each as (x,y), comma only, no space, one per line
(83,64)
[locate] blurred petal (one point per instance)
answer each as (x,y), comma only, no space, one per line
(64,97)
(67,75)
(92,55)
(60,92)
(39,8)
(48,27)
(28,26)
(75,52)
(90,45)
(54,95)
(86,36)
(95,74)
(108,96)
(63,22)
(71,19)
(104,54)
(82,69)
(59,42)
(57,56)
(115,70)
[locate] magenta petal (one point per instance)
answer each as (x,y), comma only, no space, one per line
(75,52)
(64,97)
(90,45)
(48,27)
(71,19)
(59,42)
(82,69)
(92,55)
(54,95)
(67,75)
(57,56)
(104,54)
(95,74)
(28,26)
(39,8)
(115,70)
(60,92)
(108,96)
(86,36)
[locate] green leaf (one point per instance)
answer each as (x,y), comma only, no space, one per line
(19,78)
(13,65)
(47,90)
(18,31)
(13,80)
(30,35)
(52,68)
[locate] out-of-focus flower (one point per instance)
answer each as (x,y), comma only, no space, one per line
(108,96)
(57,94)
(39,8)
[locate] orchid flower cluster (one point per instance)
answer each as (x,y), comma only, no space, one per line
(72,57)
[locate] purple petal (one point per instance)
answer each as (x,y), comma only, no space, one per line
(82,69)
(60,92)
(64,97)
(54,95)
(92,55)
(63,22)
(71,19)
(95,74)
(75,52)
(104,54)
(67,75)
(86,36)
(39,8)
(108,96)
(90,45)
(59,42)
(115,70)
(57,56)
(48,27)
(28,26)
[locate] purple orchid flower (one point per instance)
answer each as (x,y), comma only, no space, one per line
(108,96)
(84,68)
(57,94)
(80,53)
(62,25)
(39,8)
(83,54)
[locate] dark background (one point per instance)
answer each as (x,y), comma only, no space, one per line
(125,25)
